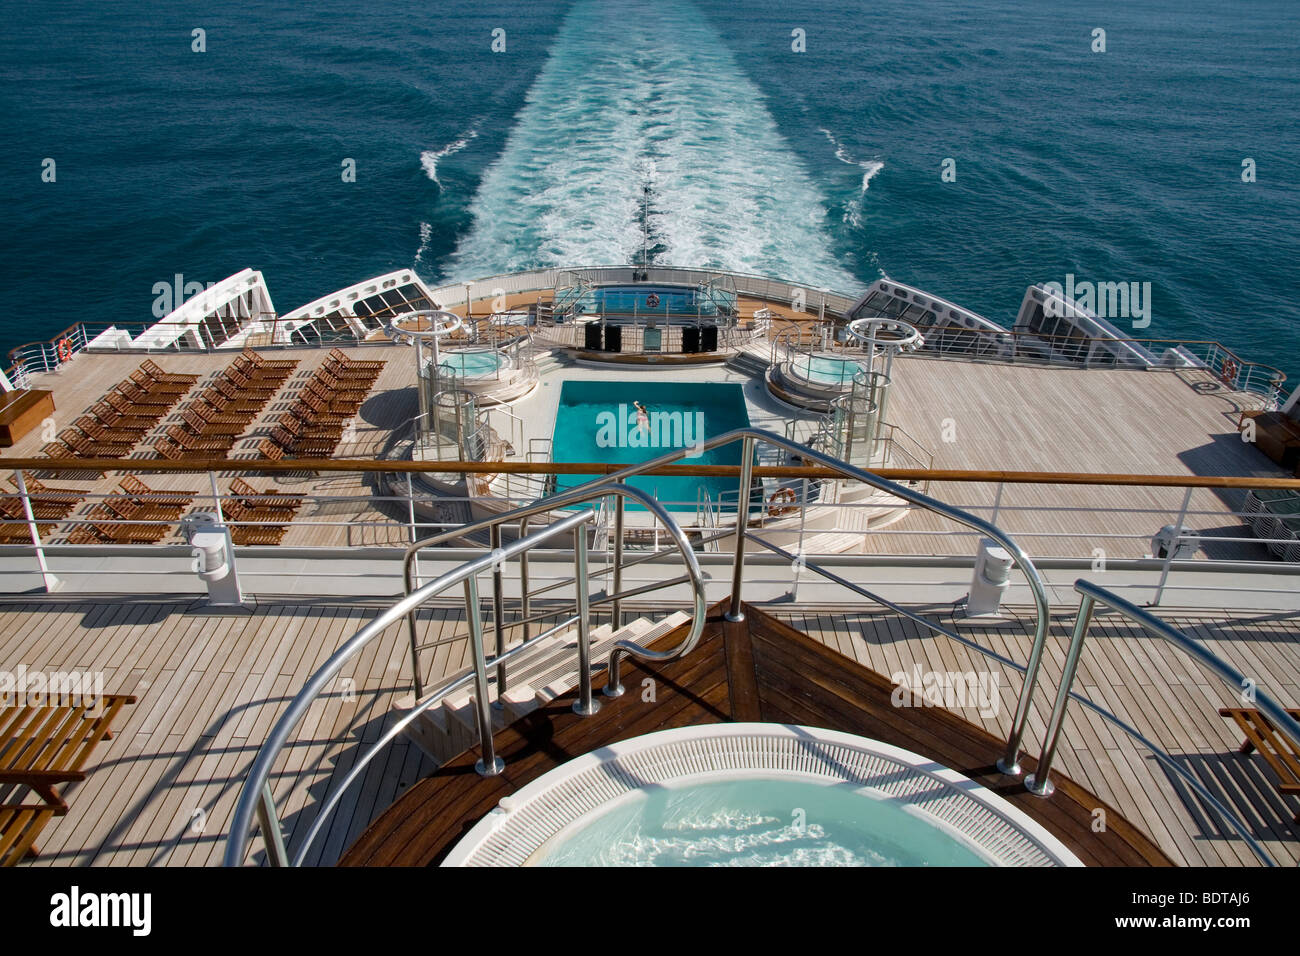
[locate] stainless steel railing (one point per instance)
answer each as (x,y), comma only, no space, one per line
(256,797)
(1091,595)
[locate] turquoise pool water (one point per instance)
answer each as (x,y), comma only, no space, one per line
(469,364)
(757,821)
(669,300)
(596,421)
(828,371)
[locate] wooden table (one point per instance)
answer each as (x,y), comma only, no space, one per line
(21,411)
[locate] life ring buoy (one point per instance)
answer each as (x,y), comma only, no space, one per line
(65,350)
(1228,374)
(782,502)
(652,301)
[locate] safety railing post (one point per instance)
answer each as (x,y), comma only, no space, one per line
(1173,548)
(498,612)
(584,705)
(489,764)
(617,580)
(269,823)
(1039,781)
(48,579)
(742,519)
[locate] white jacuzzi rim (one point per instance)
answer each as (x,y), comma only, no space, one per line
(526,841)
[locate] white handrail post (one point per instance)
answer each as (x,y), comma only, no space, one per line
(49,580)
(1173,549)
(734,612)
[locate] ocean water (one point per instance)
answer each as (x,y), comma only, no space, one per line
(694,117)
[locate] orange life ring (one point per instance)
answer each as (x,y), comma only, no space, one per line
(782,502)
(65,350)
(1228,374)
(652,301)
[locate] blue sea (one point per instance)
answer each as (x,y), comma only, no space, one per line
(823,166)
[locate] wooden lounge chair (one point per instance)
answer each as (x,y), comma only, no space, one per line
(137,396)
(229,399)
(131,485)
(214,416)
(338,355)
(1279,751)
(152,386)
(214,445)
(97,431)
(246,384)
(282,365)
(258,534)
(110,417)
(85,447)
(210,429)
(119,403)
(269,449)
(150,368)
(269,499)
(42,748)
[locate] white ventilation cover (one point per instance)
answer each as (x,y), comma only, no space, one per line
(512,832)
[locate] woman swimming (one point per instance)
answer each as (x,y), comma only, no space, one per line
(642,417)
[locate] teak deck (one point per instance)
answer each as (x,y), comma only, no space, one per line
(759,669)
(210,685)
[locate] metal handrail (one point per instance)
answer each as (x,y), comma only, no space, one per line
(579,495)
(1210,800)
(1010,760)
(1090,596)
(256,796)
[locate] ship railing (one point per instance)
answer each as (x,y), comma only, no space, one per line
(1038,782)
(1159,531)
(1022,347)
(1090,596)
(257,798)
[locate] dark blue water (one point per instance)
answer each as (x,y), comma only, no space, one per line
(822,166)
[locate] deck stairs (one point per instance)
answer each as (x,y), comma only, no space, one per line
(546,671)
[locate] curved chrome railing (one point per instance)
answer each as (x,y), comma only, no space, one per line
(600,488)
(256,797)
(749,436)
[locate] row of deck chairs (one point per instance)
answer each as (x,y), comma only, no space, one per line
(135,501)
(213,422)
(248,504)
(314,425)
(48,504)
(117,423)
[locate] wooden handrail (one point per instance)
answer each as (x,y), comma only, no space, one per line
(266,466)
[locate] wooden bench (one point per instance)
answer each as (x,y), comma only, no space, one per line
(1278,750)
(42,747)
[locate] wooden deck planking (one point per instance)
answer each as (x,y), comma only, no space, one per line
(1001,416)
(210,686)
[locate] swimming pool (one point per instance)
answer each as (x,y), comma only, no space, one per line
(667,300)
(597,421)
(825,371)
(756,794)
(472,364)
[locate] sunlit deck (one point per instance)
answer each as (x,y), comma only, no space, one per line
(211,685)
(967,415)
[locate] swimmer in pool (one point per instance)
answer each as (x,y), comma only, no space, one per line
(642,417)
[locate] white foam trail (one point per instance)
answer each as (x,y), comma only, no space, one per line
(426,233)
(853,209)
(429,158)
(635,94)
